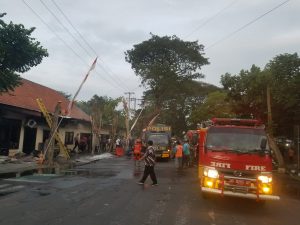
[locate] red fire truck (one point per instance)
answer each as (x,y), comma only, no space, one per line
(235,159)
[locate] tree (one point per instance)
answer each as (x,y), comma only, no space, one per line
(215,105)
(284,70)
(247,92)
(178,110)
(103,113)
(163,63)
(18,53)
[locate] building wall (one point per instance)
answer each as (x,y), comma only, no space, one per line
(74,126)
(78,127)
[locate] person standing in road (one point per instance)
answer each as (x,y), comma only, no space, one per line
(149,158)
(178,155)
(137,149)
(186,154)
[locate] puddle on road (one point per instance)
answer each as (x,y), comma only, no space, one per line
(48,173)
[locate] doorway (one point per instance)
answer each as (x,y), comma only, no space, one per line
(29,140)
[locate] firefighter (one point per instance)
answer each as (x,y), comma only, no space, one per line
(137,149)
(178,155)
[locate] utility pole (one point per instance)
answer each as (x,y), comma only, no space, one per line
(270,134)
(127,119)
(129,99)
(270,123)
(134,99)
(50,153)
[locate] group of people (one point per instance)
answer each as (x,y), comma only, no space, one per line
(81,142)
(182,155)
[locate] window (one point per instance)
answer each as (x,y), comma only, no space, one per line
(69,137)
(10,133)
(242,139)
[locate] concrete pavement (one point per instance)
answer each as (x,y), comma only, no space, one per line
(10,166)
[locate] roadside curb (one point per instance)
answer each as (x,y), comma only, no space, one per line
(21,167)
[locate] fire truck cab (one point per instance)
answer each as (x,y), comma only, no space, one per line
(235,159)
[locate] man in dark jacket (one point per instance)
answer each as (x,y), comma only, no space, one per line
(149,158)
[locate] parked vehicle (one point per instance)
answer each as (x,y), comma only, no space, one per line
(160,134)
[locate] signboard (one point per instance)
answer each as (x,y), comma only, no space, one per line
(159,128)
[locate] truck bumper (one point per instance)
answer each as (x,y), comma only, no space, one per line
(241,195)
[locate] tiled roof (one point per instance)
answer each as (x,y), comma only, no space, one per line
(25,97)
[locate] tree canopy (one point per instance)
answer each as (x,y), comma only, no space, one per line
(247,92)
(103,111)
(18,53)
(163,63)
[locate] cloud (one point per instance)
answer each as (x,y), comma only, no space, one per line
(112,27)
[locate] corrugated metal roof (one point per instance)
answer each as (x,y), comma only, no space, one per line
(25,97)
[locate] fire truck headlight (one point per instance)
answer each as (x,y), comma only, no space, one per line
(265,179)
(266,190)
(211,173)
(209,184)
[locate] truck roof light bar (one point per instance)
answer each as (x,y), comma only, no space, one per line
(236,122)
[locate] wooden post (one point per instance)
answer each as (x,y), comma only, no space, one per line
(270,123)
(50,152)
(273,145)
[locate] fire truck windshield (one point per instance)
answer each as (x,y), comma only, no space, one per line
(161,139)
(243,140)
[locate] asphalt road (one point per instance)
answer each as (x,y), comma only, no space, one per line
(107,193)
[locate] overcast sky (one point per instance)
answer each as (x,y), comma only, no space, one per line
(112,27)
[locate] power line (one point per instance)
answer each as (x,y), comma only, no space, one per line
(65,28)
(210,18)
(65,43)
(247,24)
(108,70)
(69,21)
(50,28)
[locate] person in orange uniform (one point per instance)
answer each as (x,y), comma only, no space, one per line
(137,149)
(178,155)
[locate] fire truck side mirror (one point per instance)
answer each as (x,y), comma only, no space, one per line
(263,144)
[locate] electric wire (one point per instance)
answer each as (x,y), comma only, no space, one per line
(70,22)
(247,24)
(65,28)
(76,40)
(108,70)
(65,43)
(211,18)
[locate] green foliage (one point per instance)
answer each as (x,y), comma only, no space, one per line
(247,92)
(67,95)
(177,110)
(215,105)
(18,53)
(163,63)
(285,72)
(102,109)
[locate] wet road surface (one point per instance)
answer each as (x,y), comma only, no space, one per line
(106,192)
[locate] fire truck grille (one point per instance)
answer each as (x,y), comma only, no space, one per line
(238,181)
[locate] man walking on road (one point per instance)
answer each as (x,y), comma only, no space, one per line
(149,158)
